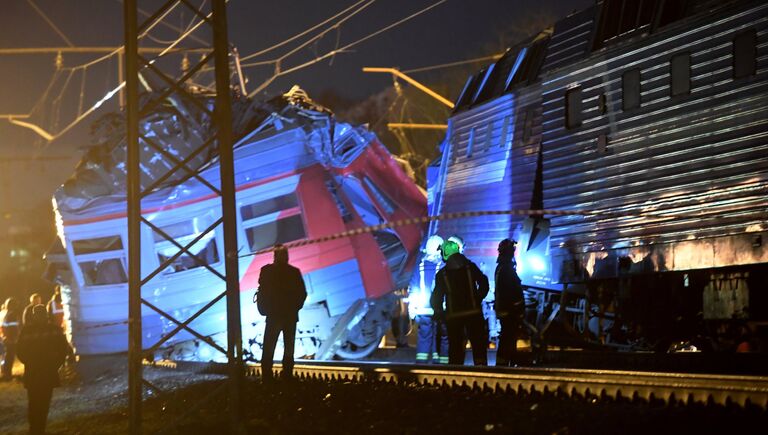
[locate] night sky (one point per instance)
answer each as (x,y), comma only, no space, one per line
(451,31)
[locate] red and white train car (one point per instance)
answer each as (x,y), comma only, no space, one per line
(299,175)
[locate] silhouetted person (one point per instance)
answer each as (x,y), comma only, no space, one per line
(9,332)
(509,305)
(282,287)
(42,348)
(34,300)
(462,286)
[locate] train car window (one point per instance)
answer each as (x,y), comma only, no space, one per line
(203,252)
(745,54)
(602,104)
(361,201)
(462,95)
(271,221)
(470,142)
(381,197)
(504,138)
(516,67)
(573,107)
(630,89)
(100,244)
(101,260)
(281,230)
(680,69)
(483,82)
(488,136)
(270,205)
(622,17)
(671,11)
(103,272)
(530,116)
(346,215)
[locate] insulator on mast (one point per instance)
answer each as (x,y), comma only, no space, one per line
(59,60)
(185,63)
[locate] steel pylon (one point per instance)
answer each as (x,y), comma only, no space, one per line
(221,137)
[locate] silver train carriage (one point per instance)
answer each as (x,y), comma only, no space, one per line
(652,118)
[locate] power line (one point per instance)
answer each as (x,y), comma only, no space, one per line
(299,35)
(451,64)
(50,23)
(342,49)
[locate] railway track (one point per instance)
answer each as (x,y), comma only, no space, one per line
(671,388)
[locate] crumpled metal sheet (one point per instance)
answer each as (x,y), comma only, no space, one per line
(174,130)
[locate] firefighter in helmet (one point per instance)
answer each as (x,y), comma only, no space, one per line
(460,287)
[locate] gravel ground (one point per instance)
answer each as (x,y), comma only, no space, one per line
(311,406)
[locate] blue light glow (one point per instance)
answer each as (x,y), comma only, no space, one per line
(537,263)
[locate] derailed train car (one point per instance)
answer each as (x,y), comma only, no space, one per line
(299,175)
(647,120)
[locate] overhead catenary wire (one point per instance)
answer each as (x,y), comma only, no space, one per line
(344,48)
(120,86)
(452,64)
(299,35)
(50,23)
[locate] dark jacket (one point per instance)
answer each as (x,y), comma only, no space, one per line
(42,348)
(462,286)
(283,290)
(509,291)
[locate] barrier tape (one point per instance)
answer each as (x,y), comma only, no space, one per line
(448,216)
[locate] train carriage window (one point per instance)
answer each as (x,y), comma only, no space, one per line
(346,215)
(103,272)
(623,17)
(281,230)
(101,260)
(680,70)
(203,252)
(272,221)
(101,244)
(381,197)
(573,107)
(470,142)
(488,136)
(528,123)
(271,205)
(504,138)
(630,89)
(745,54)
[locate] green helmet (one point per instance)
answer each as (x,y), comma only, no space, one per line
(449,248)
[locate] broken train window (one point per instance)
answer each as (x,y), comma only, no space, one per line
(272,221)
(204,251)
(101,260)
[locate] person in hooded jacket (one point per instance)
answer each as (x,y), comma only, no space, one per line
(509,305)
(460,287)
(42,348)
(282,287)
(9,333)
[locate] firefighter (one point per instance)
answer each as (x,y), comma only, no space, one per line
(56,309)
(432,339)
(9,333)
(460,287)
(509,305)
(42,349)
(282,288)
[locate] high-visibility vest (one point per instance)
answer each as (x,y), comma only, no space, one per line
(56,311)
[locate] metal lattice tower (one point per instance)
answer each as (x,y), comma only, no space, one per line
(221,117)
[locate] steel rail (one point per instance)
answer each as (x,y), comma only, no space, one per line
(671,388)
